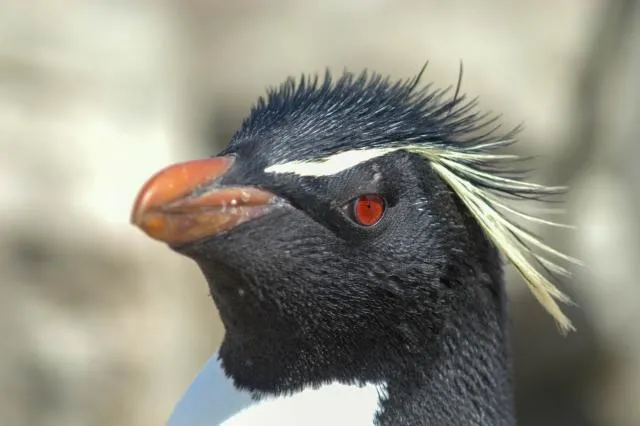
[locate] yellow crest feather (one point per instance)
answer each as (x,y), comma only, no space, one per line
(514,242)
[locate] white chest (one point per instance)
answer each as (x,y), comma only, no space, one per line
(212,400)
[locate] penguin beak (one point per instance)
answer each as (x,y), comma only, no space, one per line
(184,202)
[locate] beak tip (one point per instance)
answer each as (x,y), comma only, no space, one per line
(141,206)
(170,185)
(176,181)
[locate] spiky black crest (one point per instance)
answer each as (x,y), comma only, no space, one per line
(376,107)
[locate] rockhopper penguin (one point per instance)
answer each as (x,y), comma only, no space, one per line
(351,233)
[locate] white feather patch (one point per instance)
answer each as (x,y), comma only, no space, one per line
(330,165)
(210,399)
(213,400)
(332,404)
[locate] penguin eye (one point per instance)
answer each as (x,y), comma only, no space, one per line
(366,210)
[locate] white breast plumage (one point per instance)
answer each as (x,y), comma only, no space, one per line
(213,400)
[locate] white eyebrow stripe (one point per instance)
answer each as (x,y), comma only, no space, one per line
(330,165)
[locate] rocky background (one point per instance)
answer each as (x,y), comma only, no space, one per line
(101,326)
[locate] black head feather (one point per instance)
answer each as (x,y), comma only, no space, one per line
(380,113)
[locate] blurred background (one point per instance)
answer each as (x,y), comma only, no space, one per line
(102,326)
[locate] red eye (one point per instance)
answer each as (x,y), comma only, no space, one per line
(367,210)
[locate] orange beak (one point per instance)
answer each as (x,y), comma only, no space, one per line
(176,206)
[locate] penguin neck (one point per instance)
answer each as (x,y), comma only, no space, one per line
(461,378)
